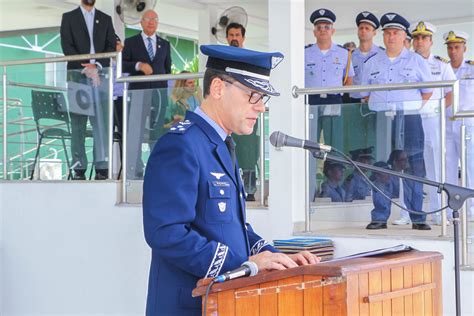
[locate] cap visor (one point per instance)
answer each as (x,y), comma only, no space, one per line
(259,85)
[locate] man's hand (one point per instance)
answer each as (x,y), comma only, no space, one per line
(304,258)
(91,72)
(145,68)
(272,261)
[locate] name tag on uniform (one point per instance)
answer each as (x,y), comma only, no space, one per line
(323,95)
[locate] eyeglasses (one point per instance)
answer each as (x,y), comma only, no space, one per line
(150,19)
(254,97)
(326,27)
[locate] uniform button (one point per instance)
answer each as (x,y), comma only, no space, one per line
(390,80)
(221,192)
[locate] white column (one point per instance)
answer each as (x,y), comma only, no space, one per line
(207,19)
(287,173)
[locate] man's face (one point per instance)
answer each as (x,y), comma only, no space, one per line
(335,173)
(235,37)
(393,38)
(456,51)
(237,113)
(323,31)
(365,32)
(149,23)
(422,44)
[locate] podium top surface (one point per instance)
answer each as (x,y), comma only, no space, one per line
(339,268)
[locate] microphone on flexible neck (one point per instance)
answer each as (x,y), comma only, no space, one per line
(279,139)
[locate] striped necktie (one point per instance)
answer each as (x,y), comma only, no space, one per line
(149,48)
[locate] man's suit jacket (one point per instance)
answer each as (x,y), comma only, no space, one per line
(194,216)
(135,51)
(75,37)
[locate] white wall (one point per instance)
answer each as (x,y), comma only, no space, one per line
(67,249)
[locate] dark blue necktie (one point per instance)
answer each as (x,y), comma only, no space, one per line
(229,142)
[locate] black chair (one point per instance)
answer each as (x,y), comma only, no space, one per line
(51,106)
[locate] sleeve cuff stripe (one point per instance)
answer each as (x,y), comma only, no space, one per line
(217,261)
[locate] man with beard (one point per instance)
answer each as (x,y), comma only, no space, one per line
(464,71)
(247,147)
(87,30)
(422,33)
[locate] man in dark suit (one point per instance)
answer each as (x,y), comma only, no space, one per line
(145,54)
(86,30)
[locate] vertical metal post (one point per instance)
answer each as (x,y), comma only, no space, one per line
(262,158)
(111,119)
(307,204)
(5,108)
(443,163)
(464,259)
(124,143)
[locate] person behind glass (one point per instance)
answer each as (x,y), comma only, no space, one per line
(456,44)
(327,65)
(408,40)
(86,30)
(247,147)
(331,187)
(367,25)
(194,210)
(355,185)
(145,54)
(185,96)
(118,97)
(410,196)
(422,33)
(381,211)
(398,65)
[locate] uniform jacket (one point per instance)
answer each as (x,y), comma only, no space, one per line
(135,51)
(194,216)
(75,37)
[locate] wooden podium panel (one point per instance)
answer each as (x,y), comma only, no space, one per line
(407,283)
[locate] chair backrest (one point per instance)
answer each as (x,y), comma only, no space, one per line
(49,105)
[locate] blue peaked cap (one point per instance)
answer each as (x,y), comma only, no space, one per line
(249,67)
(367,17)
(394,20)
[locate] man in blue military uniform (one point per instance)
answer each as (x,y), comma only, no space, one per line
(398,65)
(331,187)
(327,65)
(464,71)
(355,185)
(367,25)
(194,200)
(422,33)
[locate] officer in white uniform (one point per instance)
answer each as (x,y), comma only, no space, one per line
(422,33)
(398,65)
(464,71)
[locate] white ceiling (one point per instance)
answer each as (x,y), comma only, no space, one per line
(182,16)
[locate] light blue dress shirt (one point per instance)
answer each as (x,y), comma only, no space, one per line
(89,18)
(407,67)
(325,70)
(358,59)
(215,126)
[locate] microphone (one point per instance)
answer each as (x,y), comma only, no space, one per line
(279,139)
(248,268)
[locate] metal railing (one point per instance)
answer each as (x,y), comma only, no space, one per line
(112,56)
(165,77)
(453,84)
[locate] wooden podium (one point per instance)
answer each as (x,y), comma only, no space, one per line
(407,283)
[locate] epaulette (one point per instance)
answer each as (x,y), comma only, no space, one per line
(181,127)
(370,57)
(444,60)
(309,45)
(470,62)
(382,48)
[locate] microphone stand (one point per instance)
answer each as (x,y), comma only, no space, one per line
(456,197)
